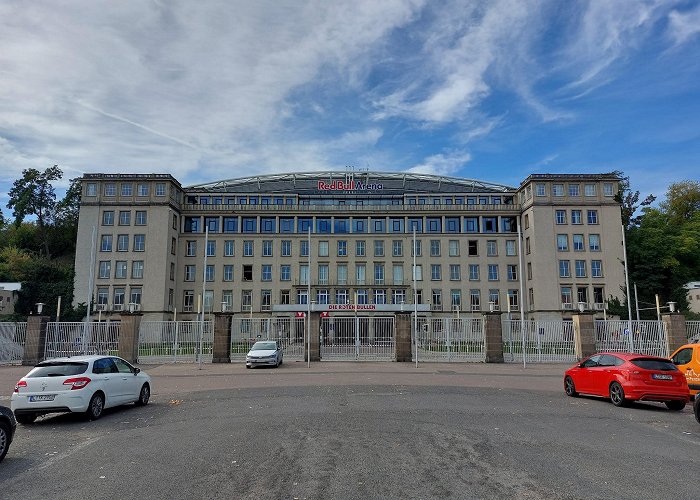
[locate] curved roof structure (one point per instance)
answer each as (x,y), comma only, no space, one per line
(391,183)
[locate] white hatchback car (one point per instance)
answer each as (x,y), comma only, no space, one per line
(86,384)
(264,353)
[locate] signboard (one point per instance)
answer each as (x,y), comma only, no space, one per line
(349,185)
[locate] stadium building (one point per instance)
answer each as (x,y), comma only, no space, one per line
(278,244)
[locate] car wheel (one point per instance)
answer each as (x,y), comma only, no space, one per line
(617,394)
(25,418)
(696,407)
(569,387)
(144,395)
(248,367)
(675,405)
(4,439)
(96,406)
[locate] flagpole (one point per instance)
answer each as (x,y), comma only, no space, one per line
(204,295)
(627,285)
(522,289)
(415,297)
(308,301)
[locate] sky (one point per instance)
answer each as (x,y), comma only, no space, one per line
(490,90)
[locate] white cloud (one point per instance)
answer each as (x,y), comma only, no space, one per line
(684,26)
(442,164)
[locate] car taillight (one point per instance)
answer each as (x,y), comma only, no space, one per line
(77,383)
(21,383)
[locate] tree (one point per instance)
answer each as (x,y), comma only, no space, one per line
(682,201)
(33,194)
(629,200)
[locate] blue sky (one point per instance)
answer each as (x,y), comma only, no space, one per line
(490,90)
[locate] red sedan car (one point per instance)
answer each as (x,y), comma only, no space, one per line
(624,377)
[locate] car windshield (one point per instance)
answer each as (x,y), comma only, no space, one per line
(264,346)
(655,364)
(58,369)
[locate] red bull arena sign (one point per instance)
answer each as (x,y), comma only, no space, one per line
(349,185)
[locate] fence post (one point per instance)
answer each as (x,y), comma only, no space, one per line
(315,331)
(403,337)
(129,336)
(222,337)
(584,334)
(493,337)
(676,335)
(35,344)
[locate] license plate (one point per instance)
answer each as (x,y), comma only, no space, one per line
(42,397)
(661,376)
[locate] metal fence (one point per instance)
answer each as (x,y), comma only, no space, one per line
(175,341)
(645,337)
(74,339)
(290,331)
(12,339)
(692,328)
(451,339)
(544,341)
(360,338)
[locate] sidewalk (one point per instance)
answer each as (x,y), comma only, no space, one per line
(169,379)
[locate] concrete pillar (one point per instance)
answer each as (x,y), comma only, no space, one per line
(402,328)
(676,334)
(493,336)
(35,343)
(315,329)
(129,336)
(584,334)
(222,337)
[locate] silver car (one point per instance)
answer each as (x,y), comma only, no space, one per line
(264,353)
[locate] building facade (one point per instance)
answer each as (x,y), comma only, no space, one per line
(339,241)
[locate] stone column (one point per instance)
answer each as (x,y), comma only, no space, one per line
(35,342)
(676,334)
(129,336)
(315,329)
(402,328)
(584,334)
(222,337)
(493,336)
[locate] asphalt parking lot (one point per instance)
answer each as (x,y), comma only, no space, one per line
(347,430)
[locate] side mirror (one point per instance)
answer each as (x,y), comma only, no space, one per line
(137,371)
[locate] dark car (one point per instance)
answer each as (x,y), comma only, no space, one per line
(696,407)
(7,430)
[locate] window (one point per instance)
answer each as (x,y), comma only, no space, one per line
(608,189)
(211,248)
(597,268)
(122,243)
(127,189)
(304,274)
(192,224)
(360,248)
(248,248)
(527,245)
(247,272)
(540,190)
(267,225)
(249,224)
(286,248)
(140,218)
(285,272)
(566,297)
(266,274)
(490,224)
(362,296)
(342,248)
(454,248)
(380,296)
(139,242)
(120,269)
(142,190)
(190,272)
(397,274)
(322,296)
(108,218)
(303,248)
(212,223)
(436,299)
(491,248)
(267,248)
(589,190)
(110,189)
(246,300)
(230,224)
(473,248)
(513,299)
(494,298)
(471,224)
(378,274)
(284,297)
(574,190)
(435,272)
(455,272)
(578,243)
(135,295)
(558,189)
(228,272)
(342,274)
(560,216)
(172,271)
(564,270)
(379,248)
(323,249)
(580,268)
(594,242)
(137,269)
(323,274)
(562,243)
(417,248)
(378,225)
(576,217)
(91,189)
(341,296)
(173,246)
(106,243)
(512,272)
(593,216)
(124,217)
(510,248)
(473,272)
(360,274)
(188,300)
(191,248)
(397,248)
(475,299)
(529,270)
(398,296)
(119,296)
(105,269)
(359,225)
(228,248)
(456,299)
(493,272)
(452,224)
(435,248)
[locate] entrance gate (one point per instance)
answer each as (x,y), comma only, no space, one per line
(451,339)
(360,338)
(291,332)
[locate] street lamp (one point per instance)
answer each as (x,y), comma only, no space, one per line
(581,306)
(672,306)
(40,307)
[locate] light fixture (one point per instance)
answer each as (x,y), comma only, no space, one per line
(39,307)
